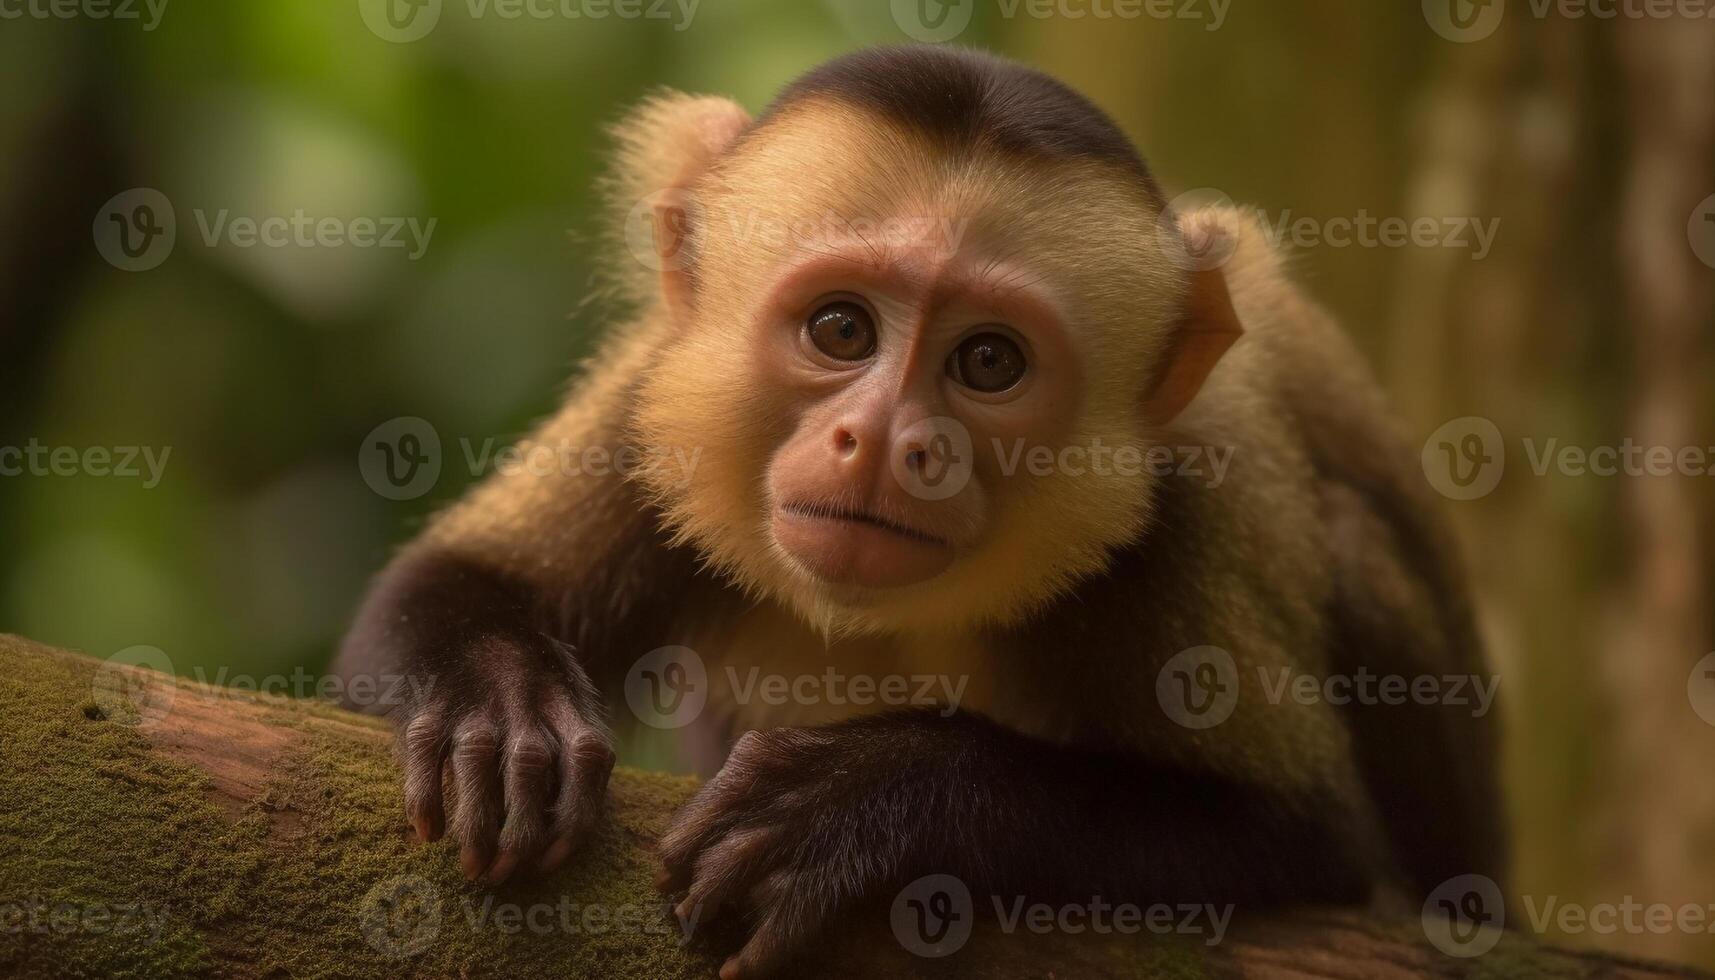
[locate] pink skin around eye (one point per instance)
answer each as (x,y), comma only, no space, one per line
(839,510)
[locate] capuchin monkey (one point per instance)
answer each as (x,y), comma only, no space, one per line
(870,314)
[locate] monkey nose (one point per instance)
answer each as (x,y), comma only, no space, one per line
(845,444)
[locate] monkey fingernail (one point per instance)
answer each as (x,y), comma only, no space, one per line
(472,863)
(427,832)
(556,854)
(502,868)
(729,969)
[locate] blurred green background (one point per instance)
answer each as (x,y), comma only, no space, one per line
(261,369)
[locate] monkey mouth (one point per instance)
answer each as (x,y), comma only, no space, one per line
(829,512)
(849,546)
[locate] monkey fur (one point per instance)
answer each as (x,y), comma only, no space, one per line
(1060,596)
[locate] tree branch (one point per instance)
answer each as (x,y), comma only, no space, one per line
(159,828)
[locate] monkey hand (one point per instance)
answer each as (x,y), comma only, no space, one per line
(798,827)
(510,737)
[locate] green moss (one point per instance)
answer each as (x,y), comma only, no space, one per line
(315,874)
(91,818)
(90,821)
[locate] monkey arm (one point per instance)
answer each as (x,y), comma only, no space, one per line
(500,614)
(802,824)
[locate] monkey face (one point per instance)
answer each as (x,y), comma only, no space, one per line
(893,369)
(888,353)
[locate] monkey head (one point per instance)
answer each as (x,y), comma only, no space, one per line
(879,327)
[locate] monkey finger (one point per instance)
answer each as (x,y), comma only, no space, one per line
(709,815)
(528,774)
(586,762)
(424,748)
(727,870)
(476,780)
(783,935)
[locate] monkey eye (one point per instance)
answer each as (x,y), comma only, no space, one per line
(986,362)
(842,330)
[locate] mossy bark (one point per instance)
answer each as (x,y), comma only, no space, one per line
(160,828)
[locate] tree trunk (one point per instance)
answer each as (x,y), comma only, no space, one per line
(160,828)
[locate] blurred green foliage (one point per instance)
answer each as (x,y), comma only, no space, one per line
(262,369)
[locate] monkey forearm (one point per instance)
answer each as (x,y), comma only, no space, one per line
(886,799)
(1021,816)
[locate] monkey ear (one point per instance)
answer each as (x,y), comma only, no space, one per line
(1207,328)
(665,145)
